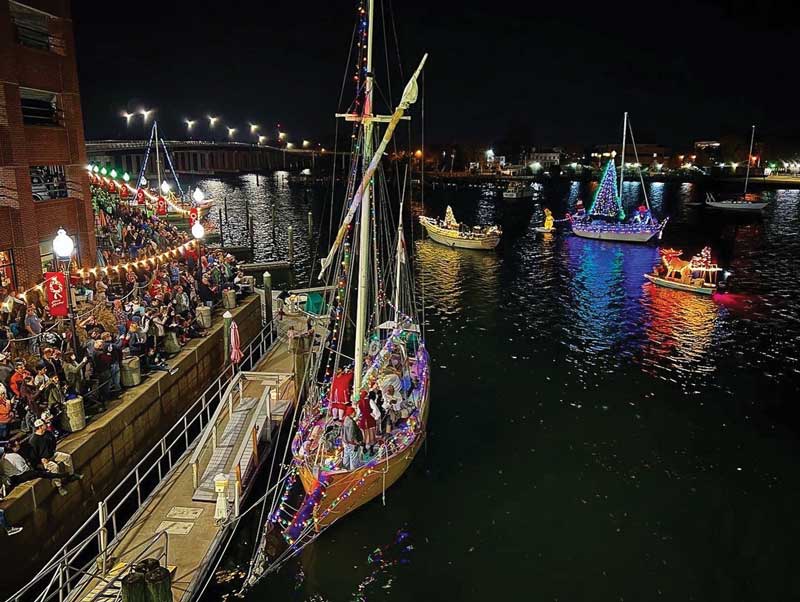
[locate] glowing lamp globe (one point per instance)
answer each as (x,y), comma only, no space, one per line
(63,246)
(198,231)
(104,171)
(126,177)
(113,173)
(164,187)
(198,195)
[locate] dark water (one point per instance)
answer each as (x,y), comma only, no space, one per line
(591,437)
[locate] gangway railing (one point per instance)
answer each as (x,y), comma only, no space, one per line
(92,542)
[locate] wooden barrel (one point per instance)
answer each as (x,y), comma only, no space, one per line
(171,344)
(74,416)
(229,299)
(130,371)
(204,316)
(159,584)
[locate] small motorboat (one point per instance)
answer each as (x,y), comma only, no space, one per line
(740,203)
(449,232)
(698,275)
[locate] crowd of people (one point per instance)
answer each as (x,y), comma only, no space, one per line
(146,309)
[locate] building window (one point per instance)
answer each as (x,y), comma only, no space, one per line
(8,275)
(39,107)
(32,28)
(48,182)
(47,256)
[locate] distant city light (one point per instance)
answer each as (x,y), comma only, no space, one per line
(231,132)
(282,135)
(189,123)
(146,113)
(212,121)
(305,143)
(262,139)
(254,128)
(289,145)
(128,117)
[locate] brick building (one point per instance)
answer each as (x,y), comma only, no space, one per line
(43,179)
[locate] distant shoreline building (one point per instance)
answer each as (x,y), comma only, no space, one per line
(43,179)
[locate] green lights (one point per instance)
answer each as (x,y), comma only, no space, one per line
(126,177)
(113,173)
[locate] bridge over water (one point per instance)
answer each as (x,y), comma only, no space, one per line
(206,157)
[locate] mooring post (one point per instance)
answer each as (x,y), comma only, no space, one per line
(227,318)
(225,202)
(267,279)
(221,229)
(310,224)
(291,244)
(250,231)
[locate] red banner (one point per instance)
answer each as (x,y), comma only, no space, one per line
(123,191)
(139,196)
(192,216)
(56,289)
(161,206)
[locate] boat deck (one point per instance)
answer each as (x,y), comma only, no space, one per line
(186,512)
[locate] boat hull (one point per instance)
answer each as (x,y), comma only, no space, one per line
(518,195)
(743,206)
(445,237)
(680,286)
(640,235)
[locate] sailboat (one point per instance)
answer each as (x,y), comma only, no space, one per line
(328,476)
(449,232)
(606,218)
(744,202)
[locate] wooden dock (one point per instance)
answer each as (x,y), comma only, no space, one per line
(176,523)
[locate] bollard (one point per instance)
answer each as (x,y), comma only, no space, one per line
(221,488)
(268,316)
(310,224)
(134,588)
(228,318)
(159,584)
(291,244)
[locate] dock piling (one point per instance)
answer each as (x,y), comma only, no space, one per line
(291,244)
(267,280)
(221,231)
(310,224)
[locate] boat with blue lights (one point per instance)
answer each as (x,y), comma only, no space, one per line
(606,219)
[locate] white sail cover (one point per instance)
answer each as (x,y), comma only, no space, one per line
(409,98)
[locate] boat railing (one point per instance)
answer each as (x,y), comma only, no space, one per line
(93,541)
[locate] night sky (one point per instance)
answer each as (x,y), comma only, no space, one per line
(552,72)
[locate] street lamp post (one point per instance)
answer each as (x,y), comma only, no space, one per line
(199,232)
(63,247)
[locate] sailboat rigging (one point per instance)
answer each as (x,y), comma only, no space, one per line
(331,472)
(742,203)
(606,219)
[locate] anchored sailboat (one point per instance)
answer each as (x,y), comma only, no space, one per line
(606,219)
(743,202)
(390,371)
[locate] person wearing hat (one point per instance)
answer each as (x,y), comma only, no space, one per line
(44,454)
(351,439)
(14,469)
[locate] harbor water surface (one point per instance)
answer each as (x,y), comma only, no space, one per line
(591,437)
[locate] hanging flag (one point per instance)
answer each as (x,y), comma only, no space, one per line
(56,289)
(161,206)
(123,191)
(139,196)
(112,187)
(192,216)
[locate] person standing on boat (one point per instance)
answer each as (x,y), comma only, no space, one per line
(340,392)
(367,422)
(351,437)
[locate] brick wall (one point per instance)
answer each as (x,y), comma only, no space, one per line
(25,222)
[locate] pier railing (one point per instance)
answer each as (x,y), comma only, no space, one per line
(85,555)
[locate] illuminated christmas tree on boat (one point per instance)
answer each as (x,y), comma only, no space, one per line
(606,219)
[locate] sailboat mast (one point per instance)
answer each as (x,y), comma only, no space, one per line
(398,261)
(364,238)
(622,162)
(158,159)
(749,155)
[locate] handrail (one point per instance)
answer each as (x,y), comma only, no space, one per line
(58,567)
